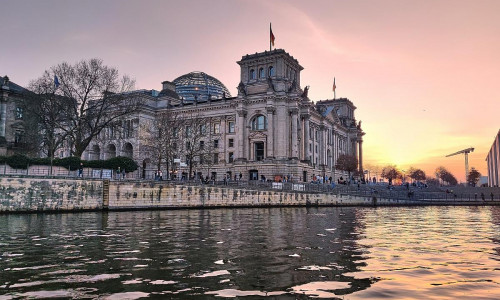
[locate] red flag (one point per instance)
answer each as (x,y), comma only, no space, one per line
(271,37)
(334,86)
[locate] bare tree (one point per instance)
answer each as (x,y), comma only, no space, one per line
(198,141)
(443,174)
(348,163)
(47,109)
(162,138)
(95,96)
(416,174)
(473,177)
(391,172)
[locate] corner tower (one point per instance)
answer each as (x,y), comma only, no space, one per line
(269,71)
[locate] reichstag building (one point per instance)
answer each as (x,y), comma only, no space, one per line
(270,129)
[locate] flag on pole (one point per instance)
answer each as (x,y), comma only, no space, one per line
(334,86)
(56,81)
(271,35)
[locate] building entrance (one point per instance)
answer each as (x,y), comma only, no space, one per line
(254,175)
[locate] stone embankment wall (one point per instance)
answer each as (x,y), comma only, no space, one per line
(22,194)
(127,195)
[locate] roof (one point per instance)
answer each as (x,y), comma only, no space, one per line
(12,86)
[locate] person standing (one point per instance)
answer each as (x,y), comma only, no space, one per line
(80,170)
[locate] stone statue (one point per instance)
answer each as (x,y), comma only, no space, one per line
(359,125)
(6,80)
(306,91)
(241,88)
(293,86)
(270,83)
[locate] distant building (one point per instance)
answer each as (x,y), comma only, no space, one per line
(271,129)
(493,161)
(12,116)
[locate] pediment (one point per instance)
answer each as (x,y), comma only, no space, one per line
(257,134)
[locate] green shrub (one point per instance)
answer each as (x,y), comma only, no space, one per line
(71,162)
(18,161)
(123,162)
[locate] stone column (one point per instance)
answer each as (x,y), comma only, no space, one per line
(282,142)
(295,145)
(270,131)
(3,113)
(3,117)
(360,158)
(306,136)
(321,145)
(241,134)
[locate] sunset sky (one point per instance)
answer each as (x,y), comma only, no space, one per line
(424,75)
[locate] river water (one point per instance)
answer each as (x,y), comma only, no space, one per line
(272,253)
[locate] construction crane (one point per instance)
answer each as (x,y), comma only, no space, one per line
(466,152)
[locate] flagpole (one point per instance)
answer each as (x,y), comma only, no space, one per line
(270,30)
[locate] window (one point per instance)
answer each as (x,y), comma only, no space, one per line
(174,146)
(216,144)
(188,145)
(18,137)
(19,113)
(271,71)
(231,143)
(230,127)
(175,132)
(202,145)
(259,123)
(203,129)
(259,151)
(262,74)
(310,147)
(316,148)
(216,128)
(252,74)
(231,157)
(311,133)
(216,158)
(317,135)
(188,131)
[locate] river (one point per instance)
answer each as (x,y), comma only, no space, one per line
(254,253)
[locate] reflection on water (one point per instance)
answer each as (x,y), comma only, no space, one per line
(278,253)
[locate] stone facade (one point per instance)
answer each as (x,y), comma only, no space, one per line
(493,162)
(271,128)
(11,117)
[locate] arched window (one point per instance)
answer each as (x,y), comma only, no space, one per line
(271,71)
(252,74)
(259,123)
(262,74)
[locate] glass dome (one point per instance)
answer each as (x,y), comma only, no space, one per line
(198,85)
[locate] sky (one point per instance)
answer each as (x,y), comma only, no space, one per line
(424,75)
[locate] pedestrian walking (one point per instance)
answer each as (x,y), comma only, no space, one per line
(491,196)
(482,196)
(80,170)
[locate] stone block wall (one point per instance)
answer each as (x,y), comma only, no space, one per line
(129,195)
(23,194)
